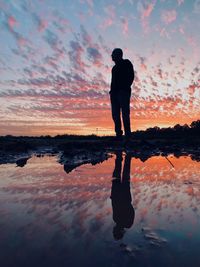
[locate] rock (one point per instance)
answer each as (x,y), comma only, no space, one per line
(22,161)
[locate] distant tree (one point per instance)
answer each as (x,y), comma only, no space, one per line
(153,130)
(177,127)
(195,124)
(156,128)
(185,127)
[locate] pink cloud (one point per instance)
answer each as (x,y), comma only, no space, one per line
(181,30)
(162,31)
(180,2)
(142,61)
(189,191)
(22,41)
(75,55)
(90,3)
(86,38)
(145,10)
(124,26)
(107,23)
(197,6)
(62,24)
(168,16)
(192,88)
(42,25)
(191,41)
(110,10)
(94,56)
(92,48)
(11,22)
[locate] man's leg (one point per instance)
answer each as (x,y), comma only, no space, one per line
(118,165)
(115,106)
(125,105)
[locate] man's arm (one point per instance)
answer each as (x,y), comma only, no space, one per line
(112,85)
(131,74)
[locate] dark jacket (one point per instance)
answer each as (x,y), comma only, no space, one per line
(122,76)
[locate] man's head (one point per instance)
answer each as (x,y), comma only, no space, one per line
(117,55)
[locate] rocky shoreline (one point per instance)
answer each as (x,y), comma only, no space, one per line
(76,151)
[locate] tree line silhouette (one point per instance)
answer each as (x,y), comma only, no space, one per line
(183,131)
(178,131)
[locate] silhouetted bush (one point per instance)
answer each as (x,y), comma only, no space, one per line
(176,132)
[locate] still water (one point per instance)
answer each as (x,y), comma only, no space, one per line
(122,212)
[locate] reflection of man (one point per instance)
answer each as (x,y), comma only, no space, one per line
(120,93)
(123,211)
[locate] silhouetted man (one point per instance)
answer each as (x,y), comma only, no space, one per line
(123,211)
(120,93)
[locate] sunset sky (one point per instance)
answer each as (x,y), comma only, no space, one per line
(55,63)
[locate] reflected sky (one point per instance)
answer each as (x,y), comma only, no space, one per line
(48,217)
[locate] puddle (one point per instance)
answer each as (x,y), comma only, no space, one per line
(121,212)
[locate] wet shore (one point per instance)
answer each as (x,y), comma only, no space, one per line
(74,151)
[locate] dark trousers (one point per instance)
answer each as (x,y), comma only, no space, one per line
(120,104)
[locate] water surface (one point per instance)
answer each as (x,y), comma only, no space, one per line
(122,212)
